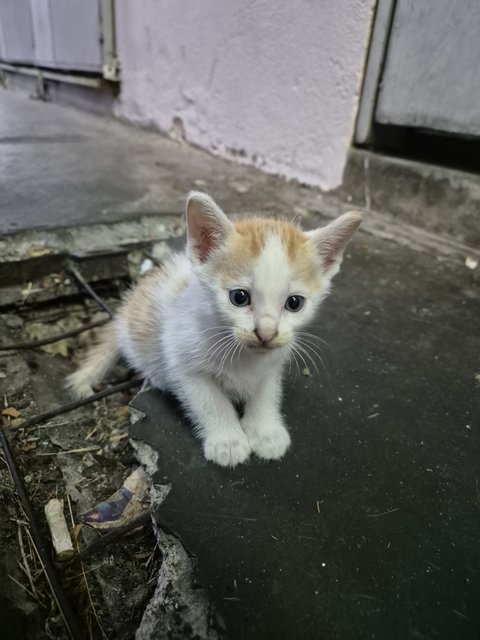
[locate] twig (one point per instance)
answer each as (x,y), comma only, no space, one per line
(384,513)
(72,269)
(109,538)
(56,424)
(66,610)
(24,558)
(82,450)
(92,606)
(22,586)
(65,408)
(16,346)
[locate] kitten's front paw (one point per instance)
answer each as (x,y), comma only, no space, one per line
(268,442)
(227,450)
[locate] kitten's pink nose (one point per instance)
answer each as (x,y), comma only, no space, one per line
(265,331)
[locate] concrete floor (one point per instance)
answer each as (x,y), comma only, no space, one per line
(369,526)
(62,167)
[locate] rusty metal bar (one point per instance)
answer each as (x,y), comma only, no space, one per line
(71,406)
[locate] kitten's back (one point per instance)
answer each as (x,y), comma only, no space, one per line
(140,321)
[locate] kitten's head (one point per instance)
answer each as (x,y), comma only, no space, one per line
(267,277)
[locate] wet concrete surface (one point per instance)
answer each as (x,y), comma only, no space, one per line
(62,167)
(369,526)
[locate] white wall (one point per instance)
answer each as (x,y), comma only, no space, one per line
(270,82)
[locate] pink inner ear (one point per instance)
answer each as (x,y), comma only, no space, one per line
(329,252)
(205,242)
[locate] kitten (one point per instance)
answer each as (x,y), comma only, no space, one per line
(215,325)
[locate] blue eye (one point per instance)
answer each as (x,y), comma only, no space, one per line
(294,303)
(239,297)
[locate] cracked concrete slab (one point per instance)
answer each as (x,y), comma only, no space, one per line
(368,527)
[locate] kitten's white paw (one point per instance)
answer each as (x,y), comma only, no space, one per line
(227,450)
(269,442)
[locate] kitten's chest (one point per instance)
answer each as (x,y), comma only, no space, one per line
(242,381)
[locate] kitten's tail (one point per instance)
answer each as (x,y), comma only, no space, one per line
(99,360)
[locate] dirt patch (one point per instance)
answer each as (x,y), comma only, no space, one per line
(81,457)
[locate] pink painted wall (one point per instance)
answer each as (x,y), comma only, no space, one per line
(269,83)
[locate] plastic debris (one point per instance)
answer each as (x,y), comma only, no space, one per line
(145,266)
(124,505)
(471,263)
(62,543)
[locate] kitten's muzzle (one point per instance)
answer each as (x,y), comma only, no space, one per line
(265,336)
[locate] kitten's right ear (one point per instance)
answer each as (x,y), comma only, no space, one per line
(207,225)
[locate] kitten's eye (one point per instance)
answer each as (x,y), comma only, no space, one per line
(239,297)
(294,303)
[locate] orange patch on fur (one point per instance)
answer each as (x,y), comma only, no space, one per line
(249,240)
(254,233)
(138,309)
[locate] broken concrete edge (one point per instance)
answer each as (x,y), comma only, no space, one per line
(89,239)
(383,226)
(388,227)
(179,607)
(130,235)
(101,252)
(437,199)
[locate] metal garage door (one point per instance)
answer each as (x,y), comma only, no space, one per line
(424,67)
(75,35)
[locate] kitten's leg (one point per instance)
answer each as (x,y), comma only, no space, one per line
(224,441)
(263,423)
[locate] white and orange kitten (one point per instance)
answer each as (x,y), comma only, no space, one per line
(215,325)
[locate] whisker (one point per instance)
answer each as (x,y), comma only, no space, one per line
(219,341)
(311,345)
(289,360)
(239,347)
(220,326)
(307,355)
(219,344)
(308,347)
(216,335)
(294,347)
(231,345)
(288,351)
(294,355)
(313,336)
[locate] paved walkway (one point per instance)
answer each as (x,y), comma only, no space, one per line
(60,167)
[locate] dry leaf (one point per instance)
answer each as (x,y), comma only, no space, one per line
(117,437)
(75,532)
(37,250)
(28,445)
(11,412)
(123,411)
(142,556)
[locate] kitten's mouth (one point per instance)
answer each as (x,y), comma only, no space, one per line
(257,347)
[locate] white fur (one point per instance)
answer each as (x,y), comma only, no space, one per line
(202,348)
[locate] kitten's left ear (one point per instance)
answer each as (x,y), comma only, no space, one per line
(330,241)
(207,225)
